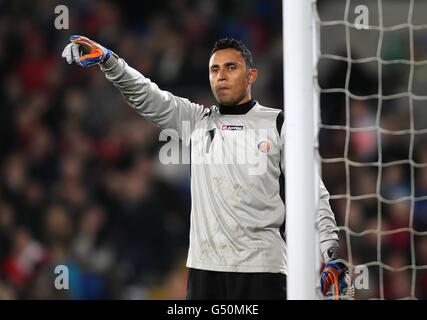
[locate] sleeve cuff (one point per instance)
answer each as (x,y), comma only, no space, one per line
(330,249)
(110,63)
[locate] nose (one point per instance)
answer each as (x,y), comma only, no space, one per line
(222,75)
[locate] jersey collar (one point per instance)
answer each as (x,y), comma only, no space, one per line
(238,109)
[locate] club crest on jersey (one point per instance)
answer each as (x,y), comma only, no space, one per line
(264,146)
(231,127)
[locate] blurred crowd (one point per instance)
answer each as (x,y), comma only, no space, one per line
(80,180)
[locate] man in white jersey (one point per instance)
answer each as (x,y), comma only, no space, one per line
(237,244)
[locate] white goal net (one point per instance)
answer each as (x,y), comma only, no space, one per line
(372,82)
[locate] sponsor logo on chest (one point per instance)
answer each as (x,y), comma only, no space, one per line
(231,127)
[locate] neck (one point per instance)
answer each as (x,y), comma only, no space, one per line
(241,108)
(244,100)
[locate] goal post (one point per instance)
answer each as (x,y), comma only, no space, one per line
(300,143)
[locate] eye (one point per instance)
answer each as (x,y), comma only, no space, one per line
(214,70)
(232,67)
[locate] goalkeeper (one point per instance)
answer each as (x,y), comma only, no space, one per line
(237,243)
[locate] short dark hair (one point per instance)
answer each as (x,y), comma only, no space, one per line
(227,43)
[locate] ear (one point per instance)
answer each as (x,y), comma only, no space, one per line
(252,75)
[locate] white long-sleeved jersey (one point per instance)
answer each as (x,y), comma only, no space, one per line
(237,213)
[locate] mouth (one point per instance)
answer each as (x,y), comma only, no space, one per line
(222,89)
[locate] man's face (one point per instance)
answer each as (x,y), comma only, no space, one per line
(230,78)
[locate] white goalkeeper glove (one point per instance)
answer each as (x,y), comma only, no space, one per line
(336,281)
(85,52)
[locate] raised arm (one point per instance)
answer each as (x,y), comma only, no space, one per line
(161,107)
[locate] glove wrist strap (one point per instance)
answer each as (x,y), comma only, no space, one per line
(331,253)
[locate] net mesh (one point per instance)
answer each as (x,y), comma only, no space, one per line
(372,84)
